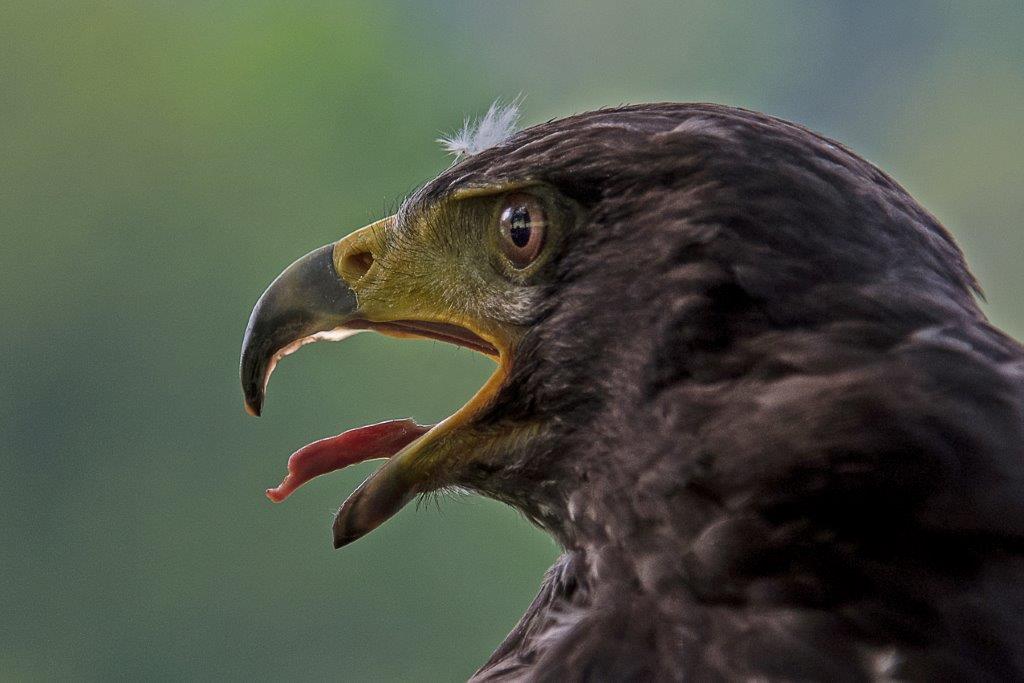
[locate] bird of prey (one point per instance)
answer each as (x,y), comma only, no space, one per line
(742,378)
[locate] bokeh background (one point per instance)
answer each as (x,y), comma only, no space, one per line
(162,161)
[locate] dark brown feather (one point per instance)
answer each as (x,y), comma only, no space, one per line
(785,441)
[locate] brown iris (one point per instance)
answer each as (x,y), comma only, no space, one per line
(522,225)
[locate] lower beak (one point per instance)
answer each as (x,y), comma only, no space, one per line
(307,302)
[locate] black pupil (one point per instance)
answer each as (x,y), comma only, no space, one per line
(519,226)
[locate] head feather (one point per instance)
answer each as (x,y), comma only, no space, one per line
(476,135)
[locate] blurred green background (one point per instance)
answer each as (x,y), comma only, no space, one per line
(162,161)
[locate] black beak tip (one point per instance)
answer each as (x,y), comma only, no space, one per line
(252,375)
(342,532)
(253,407)
(375,501)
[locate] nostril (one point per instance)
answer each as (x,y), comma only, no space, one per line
(355,265)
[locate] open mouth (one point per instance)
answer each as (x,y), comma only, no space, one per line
(383,439)
(308,302)
(446,332)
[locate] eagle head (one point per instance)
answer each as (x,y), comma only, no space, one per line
(736,364)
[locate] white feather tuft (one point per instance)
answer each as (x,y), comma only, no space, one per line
(496,126)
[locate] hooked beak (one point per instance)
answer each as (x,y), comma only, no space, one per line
(306,302)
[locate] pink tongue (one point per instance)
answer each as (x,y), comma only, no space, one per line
(381,440)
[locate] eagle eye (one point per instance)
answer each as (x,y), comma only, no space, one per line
(522,224)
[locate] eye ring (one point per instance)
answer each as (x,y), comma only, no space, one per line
(522,226)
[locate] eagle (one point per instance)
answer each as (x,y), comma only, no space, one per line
(742,378)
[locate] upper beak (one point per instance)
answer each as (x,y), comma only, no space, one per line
(308,301)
